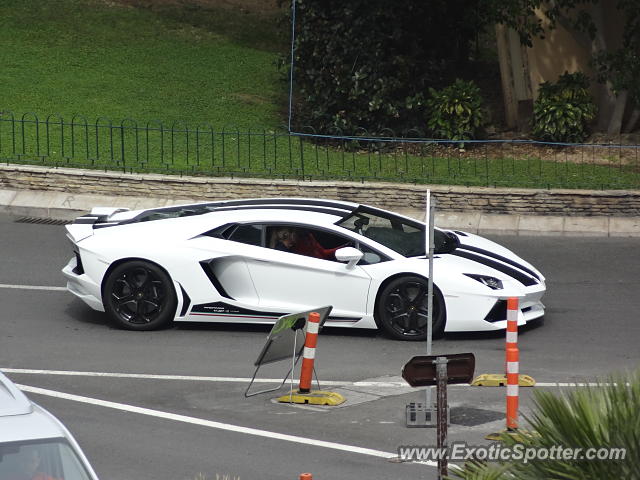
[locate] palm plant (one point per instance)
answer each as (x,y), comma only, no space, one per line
(599,417)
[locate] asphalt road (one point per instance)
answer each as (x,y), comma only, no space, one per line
(590,329)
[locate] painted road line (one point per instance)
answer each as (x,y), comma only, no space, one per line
(213,424)
(195,378)
(34,287)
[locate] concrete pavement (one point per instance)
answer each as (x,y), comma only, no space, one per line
(64,206)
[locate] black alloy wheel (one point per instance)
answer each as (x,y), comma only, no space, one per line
(139,295)
(402,310)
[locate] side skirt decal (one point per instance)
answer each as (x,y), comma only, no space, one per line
(222,309)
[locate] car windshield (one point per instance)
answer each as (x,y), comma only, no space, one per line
(399,234)
(52,459)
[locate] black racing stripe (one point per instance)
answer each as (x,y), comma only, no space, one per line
(329,211)
(501,258)
(323,206)
(290,201)
(526,280)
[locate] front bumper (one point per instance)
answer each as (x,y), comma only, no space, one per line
(487,313)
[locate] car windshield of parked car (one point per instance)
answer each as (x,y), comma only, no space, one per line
(53,459)
(399,234)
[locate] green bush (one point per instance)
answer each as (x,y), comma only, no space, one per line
(563,109)
(363,66)
(455,112)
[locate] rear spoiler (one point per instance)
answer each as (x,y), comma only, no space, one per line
(82,227)
(99,215)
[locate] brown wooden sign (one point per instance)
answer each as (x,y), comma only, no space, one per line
(420,371)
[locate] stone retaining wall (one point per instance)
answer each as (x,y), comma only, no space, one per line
(399,197)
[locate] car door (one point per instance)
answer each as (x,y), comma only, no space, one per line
(292,281)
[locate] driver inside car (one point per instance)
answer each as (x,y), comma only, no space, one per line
(29,467)
(302,242)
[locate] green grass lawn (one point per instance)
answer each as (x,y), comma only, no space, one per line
(98,58)
(193,150)
(182,88)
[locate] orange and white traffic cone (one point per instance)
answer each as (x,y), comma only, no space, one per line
(309,353)
(304,393)
(513,364)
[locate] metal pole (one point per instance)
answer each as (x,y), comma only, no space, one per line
(441,434)
(429,248)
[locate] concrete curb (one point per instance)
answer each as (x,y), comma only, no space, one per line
(64,206)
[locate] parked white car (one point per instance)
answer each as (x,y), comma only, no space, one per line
(34,445)
(256,260)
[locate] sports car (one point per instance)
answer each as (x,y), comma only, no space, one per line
(256,260)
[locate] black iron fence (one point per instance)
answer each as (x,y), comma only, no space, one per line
(178,148)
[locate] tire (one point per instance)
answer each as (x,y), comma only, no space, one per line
(139,295)
(401,309)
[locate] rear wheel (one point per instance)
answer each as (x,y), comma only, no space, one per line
(139,295)
(402,310)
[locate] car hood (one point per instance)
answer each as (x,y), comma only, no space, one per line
(486,256)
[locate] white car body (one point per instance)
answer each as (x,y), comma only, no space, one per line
(26,429)
(252,283)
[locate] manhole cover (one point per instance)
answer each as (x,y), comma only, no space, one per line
(471,417)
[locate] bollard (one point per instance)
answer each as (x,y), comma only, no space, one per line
(500,380)
(309,354)
(512,322)
(512,363)
(304,393)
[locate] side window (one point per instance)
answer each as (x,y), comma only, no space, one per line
(249,234)
(305,241)
(370,257)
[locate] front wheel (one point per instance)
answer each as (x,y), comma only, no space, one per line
(402,310)
(139,295)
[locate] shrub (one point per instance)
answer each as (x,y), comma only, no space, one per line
(455,112)
(563,109)
(584,418)
(365,64)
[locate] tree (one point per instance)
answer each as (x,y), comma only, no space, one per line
(368,64)
(617,66)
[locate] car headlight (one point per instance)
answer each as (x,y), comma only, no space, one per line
(492,282)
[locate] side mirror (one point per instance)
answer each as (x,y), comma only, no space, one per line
(350,255)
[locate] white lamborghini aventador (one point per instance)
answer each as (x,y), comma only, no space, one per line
(255,260)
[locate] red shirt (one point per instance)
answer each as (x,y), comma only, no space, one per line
(309,246)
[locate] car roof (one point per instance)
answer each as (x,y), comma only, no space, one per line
(21,419)
(182,228)
(334,208)
(185,221)
(188,220)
